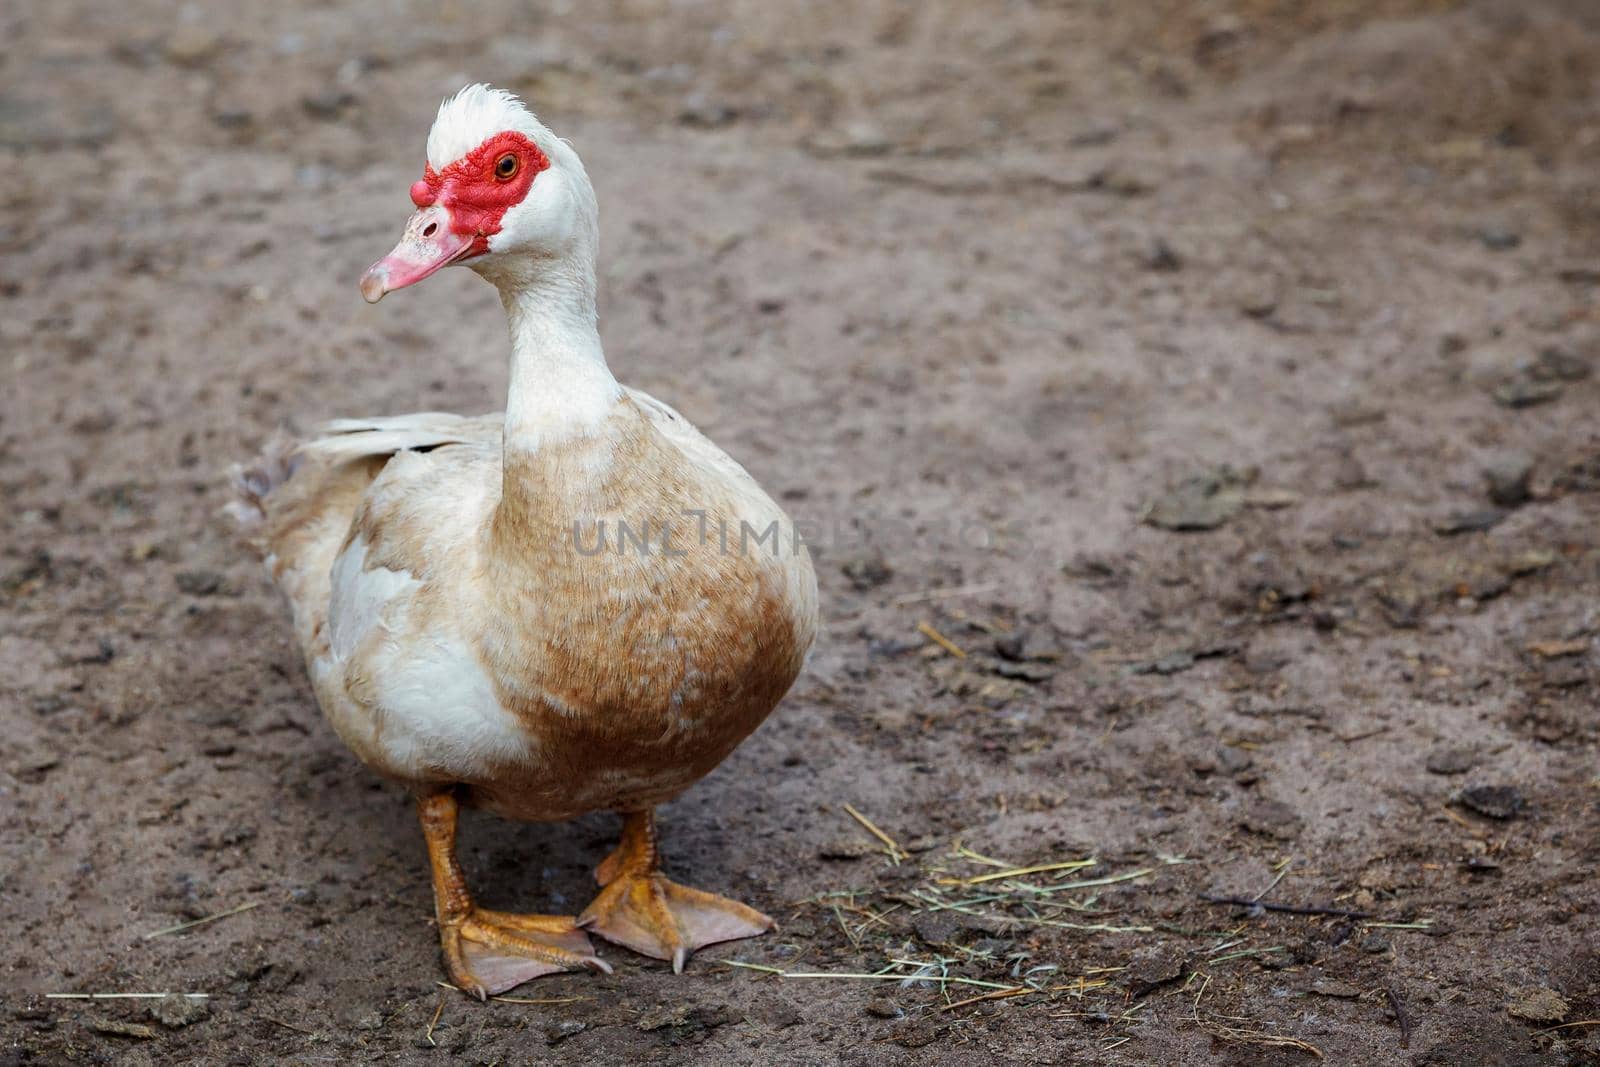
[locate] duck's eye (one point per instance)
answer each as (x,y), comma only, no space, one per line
(505,168)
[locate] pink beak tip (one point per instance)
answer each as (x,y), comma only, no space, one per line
(429,244)
(374,283)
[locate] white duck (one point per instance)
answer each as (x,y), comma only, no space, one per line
(478,614)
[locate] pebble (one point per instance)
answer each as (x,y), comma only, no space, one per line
(1257,296)
(1509,475)
(90,653)
(233,118)
(1162,257)
(1273,819)
(867,572)
(1014,646)
(846,849)
(781,1016)
(860,137)
(1150,968)
(556,1033)
(1558,649)
(1203,502)
(863,137)
(360,1018)
(1537,1004)
(1332,987)
(1451,759)
(918,1034)
(176,1010)
(191,46)
(1499,238)
(1355,413)
(1524,391)
(1024,672)
(1349,474)
(1531,562)
(1234,760)
(1474,521)
(688,1018)
(1559,364)
(198,582)
(118,1028)
(706,113)
(884,1008)
(1492,801)
(1125,179)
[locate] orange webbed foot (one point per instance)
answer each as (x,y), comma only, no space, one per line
(641,909)
(488,952)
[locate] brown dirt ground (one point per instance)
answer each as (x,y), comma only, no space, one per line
(969,285)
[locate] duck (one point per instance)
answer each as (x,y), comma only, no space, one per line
(580,604)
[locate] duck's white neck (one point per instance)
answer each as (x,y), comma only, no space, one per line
(560,385)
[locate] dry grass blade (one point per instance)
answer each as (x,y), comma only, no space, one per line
(1075,988)
(1259,1037)
(201,922)
(427,1034)
(1018,872)
(940,980)
(754,967)
(1569,1026)
(1006,897)
(1463,823)
(926,630)
(896,853)
(1257,905)
(998,994)
(1089,883)
(958,849)
(1266,951)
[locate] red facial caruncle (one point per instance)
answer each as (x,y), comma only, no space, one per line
(481,186)
(459,209)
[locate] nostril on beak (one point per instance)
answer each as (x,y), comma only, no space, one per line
(430,229)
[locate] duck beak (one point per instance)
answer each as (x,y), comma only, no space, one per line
(428,245)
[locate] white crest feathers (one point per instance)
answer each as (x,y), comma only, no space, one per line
(474,115)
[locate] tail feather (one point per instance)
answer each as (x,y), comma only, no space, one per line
(331,471)
(255,481)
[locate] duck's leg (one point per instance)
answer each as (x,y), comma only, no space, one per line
(640,909)
(490,951)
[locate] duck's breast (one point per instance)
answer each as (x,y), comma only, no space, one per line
(650,610)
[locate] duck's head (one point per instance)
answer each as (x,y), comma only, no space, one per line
(500,193)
